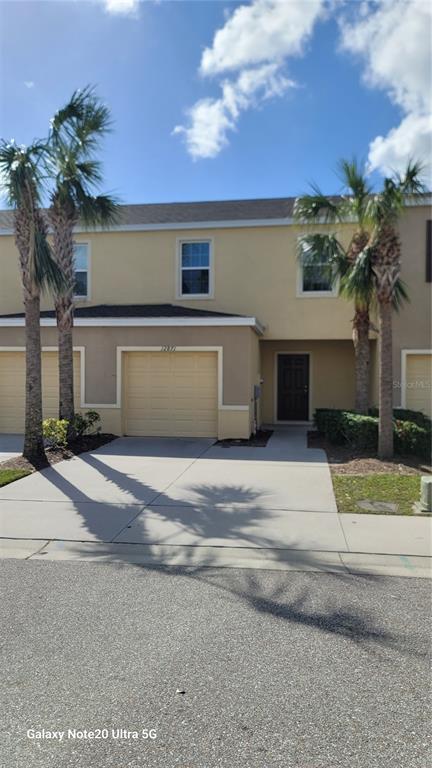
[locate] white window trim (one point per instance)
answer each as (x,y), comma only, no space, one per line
(301,294)
(404,356)
(87,297)
(194,296)
(275,385)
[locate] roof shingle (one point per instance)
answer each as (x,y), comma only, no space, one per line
(134,310)
(182,213)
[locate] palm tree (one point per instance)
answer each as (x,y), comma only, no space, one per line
(22,175)
(353,207)
(76,130)
(383,252)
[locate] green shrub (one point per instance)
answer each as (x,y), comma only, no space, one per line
(79,424)
(404,414)
(328,422)
(93,422)
(86,424)
(55,432)
(410,438)
(412,432)
(360,432)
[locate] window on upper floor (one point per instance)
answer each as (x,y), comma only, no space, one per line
(82,282)
(195,269)
(315,277)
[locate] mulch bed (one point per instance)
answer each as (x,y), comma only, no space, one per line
(344,460)
(258,440)
(54,455)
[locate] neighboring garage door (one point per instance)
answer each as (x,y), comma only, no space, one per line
(12,388)
(170,394)
(419,383)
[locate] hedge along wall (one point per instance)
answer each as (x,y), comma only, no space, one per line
(412,430)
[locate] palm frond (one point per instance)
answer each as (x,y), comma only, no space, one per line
(47,274)
(411,182)
(355,205)
(322,248)
(83,120)
(316,207)
(90,171)
(22,172)
(102,210)
(400,295)
(357,284)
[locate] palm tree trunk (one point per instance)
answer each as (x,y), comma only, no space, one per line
(33,440)
(385,434)
(63,220)
(66,376)
(362,358)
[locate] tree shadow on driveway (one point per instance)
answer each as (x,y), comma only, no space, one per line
(203,520)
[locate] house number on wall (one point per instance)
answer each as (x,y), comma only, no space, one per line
(168,349)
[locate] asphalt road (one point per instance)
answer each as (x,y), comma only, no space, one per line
(280,669)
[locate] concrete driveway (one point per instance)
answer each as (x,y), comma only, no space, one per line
(180,497)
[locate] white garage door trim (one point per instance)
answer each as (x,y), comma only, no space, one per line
(404,356)
(175,348)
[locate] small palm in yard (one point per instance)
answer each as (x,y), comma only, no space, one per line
(22,172)
(351,207)
(76,130)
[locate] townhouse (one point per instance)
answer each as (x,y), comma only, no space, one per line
(198,319)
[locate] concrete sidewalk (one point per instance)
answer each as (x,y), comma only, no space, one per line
(189,502)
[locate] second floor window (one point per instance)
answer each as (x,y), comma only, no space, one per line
(195,268)
(316,276)
(81,271)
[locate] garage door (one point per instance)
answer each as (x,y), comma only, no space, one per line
(12,388)
(170,394)
(419,383)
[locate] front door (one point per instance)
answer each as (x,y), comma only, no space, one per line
(293,387)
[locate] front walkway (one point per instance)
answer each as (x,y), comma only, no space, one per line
(189,502)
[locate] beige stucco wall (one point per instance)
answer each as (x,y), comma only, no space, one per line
(331,374)
(255,273)
(240,352)
(412,326)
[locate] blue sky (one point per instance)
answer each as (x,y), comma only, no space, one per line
(266,95)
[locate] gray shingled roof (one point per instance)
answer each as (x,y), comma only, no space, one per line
(134,310)
(180,213)
(215,211)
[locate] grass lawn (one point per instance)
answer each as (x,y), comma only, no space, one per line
(400,490)
(9,475)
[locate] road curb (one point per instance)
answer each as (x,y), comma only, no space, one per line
(148,555)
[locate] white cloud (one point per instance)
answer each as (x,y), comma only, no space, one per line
(411,139)
(122,7)
(253,45)
(266,30)
(29,83)
(394,40)
(210,120)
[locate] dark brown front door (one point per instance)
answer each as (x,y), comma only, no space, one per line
(293,388)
